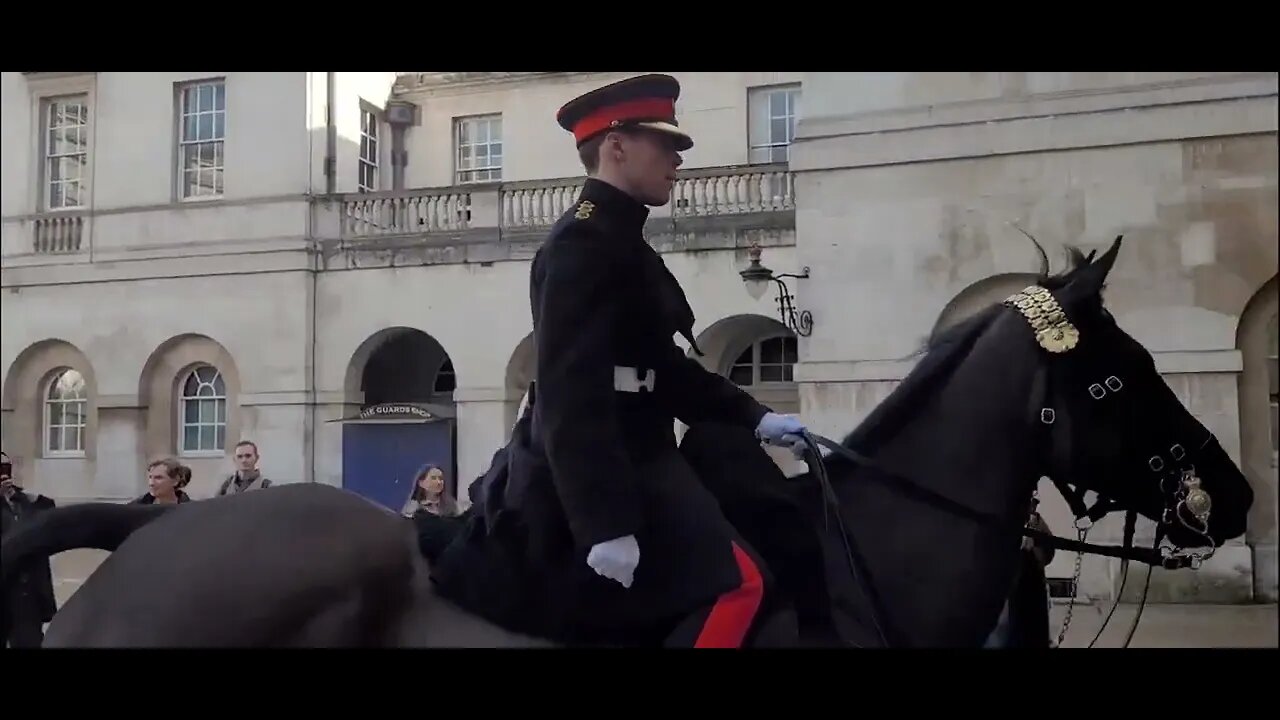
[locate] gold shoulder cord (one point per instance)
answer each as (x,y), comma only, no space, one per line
(1053,331)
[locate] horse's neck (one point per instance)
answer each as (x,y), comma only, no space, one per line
(960,425)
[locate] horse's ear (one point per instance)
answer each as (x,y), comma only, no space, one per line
(1094,275)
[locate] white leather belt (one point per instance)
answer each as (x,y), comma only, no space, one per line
(629,379)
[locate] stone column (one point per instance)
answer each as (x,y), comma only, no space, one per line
(482,428)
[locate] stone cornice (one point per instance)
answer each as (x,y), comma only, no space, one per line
(410,82)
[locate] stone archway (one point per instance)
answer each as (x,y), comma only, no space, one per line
(1256,338)
(979,295)
(521,371)
(401,364)
(50,418)
(405,371)
(189,404)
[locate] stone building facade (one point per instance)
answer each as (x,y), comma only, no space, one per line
(194,258)
(907,187)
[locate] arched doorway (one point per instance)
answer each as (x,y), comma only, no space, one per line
(405,381)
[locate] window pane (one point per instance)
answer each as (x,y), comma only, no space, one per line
(189,100)
(777,104)
(55,439)
(204,127)
(206,98)
(208,411)
(789,350)
(222,411)
(770,373)
(55,413)
(190,411)
(222,437)
(220,97)
(778,130)
(73,413)
(220,126)
(771,351)
(207,437)
(741,375)
(190,157)
(191,437)
(71,439)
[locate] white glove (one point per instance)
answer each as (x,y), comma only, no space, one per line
(783,430)
(616,559)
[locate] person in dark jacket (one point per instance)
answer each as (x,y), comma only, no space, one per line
(165,482)
(29,602)
(619,536)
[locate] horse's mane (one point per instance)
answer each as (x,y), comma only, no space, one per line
(942,354)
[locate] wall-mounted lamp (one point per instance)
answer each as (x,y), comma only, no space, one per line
(757,278)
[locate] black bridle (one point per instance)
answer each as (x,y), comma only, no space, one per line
(1173,467)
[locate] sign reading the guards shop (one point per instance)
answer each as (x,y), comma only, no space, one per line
(394,410)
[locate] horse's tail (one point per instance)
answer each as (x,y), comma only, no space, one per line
(101,526)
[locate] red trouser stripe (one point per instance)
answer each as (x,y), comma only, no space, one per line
(733,613)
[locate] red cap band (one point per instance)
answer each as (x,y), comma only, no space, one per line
(642,109)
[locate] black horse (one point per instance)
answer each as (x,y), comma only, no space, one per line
(916,517)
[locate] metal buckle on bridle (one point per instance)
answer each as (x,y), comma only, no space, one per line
(1113,383)
(1047,416)
(1097,391)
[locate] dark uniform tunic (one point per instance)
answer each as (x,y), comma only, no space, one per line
(590,462)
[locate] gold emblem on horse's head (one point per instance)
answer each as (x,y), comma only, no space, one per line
(1058,338)
(1045,316)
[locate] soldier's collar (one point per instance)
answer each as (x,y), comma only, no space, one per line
(613,203)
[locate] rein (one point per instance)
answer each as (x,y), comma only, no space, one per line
(1178,481)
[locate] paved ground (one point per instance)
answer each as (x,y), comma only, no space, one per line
(1165,626)
(1171,626)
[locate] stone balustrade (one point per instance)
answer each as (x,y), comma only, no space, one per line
(535,205)
(58,232)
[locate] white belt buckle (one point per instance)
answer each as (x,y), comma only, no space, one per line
(625,379)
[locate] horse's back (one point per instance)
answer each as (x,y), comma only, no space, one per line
(270,567)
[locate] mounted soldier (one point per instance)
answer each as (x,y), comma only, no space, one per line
(591,526)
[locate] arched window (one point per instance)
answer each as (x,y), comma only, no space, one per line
(204,411)
(66,412)
(771,360)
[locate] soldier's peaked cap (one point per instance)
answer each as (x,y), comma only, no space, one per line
(647,101)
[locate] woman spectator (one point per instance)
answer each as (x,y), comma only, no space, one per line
(430,494)
(165,480)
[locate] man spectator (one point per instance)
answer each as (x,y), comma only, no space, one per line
(247,476)
(30,602)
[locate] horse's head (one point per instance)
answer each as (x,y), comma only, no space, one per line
(1116,426)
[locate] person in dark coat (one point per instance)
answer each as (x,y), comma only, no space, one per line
(165,482)
(29,602)
(613,529)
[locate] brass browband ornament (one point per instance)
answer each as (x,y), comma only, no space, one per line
(1053,331)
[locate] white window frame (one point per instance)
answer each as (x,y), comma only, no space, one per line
(82,401)
(764,146)
(216,141)
(50,155)
(466,171)
(370,147)
(219,399)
